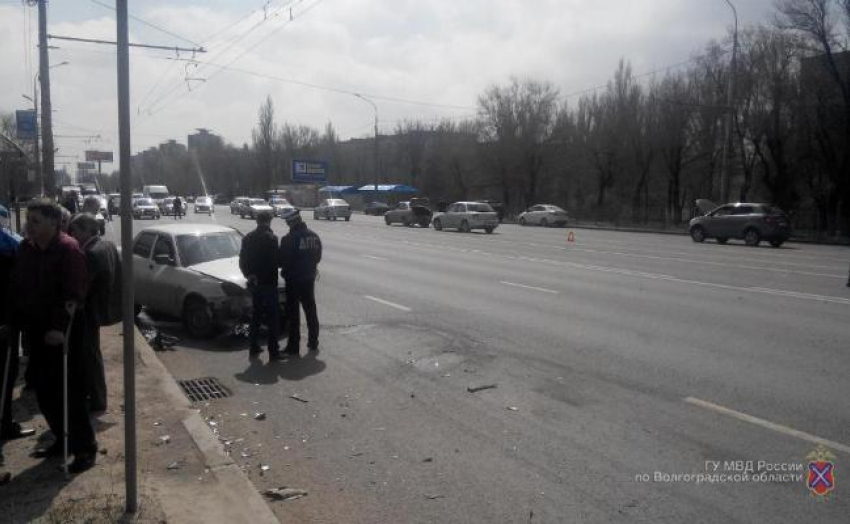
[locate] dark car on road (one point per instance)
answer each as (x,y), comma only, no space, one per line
(376,208)
(408,213)
(749,222)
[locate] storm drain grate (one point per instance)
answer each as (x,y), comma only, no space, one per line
(199,389)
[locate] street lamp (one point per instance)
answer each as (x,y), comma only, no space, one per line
(730,103)
(377,153)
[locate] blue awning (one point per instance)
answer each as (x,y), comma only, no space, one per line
(388,188)
(344,190)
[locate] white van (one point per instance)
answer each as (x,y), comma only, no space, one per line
(155,193)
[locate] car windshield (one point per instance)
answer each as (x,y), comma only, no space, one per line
(479,208)
(202,200)
(197,249)
(144,202)
(554,208)
(258,202)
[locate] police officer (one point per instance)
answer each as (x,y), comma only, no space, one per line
(258,262)
(300,254)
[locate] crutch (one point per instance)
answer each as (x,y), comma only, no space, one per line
(4,331)
(70,307)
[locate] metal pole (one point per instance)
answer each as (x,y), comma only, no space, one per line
(377,151)
(46,107)
(730,113)
(38,173)
(127,256)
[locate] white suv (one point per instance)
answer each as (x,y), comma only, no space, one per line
(466,216)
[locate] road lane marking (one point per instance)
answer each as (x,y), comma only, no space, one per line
(374,257)
(809,296)
(388,303)
(779,428)
(541,289)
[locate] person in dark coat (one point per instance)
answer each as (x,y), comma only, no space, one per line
(258,260)
(72,203)
(104,284)
(50,273)
(300,254)
(178,208)
(9,242)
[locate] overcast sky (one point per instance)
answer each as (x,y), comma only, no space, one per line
(440,54)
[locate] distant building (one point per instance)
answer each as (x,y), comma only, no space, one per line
(172,147)
(203,139)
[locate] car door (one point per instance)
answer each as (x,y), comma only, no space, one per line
(164,277)
(537,213)
(142,247)
(740,218)
(720,223)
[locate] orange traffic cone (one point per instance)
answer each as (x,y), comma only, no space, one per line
(571,237)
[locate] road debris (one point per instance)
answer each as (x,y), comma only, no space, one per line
(434,497)
(259,416)
(513,408)
(174,465)
(264,468)
(476,389)
(295,396)
(284,493)
(428,459)
(165,439)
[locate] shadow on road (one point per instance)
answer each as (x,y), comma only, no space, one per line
(261,372)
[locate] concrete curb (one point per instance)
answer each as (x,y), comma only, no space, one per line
(237,489)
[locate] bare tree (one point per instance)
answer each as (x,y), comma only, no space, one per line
(265,137)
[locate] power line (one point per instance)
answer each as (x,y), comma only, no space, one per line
(149,24)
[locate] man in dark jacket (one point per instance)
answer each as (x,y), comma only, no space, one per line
(9,361)
(103,267)
(300,254)
(50,273)
(258,260)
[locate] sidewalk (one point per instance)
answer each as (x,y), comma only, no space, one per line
(184,478)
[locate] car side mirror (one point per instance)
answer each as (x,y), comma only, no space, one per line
(163,259)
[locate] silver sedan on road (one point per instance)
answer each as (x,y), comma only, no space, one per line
(466,216)
(543,215)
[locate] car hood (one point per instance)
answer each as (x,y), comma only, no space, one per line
(705,206)
(224,269)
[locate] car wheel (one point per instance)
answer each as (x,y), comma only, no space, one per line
(198,318)
(423,224)
(698,234)
(315,216)
(348,218)
(544,223)
(438,225)
(489,230)
(752,237)
(722,240)
(387,220)
(522,221)
(777,243)
(405,222)
(464,227)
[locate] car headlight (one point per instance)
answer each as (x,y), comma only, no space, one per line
(233,290)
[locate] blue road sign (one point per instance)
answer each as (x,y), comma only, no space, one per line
(310,171)
(25,124)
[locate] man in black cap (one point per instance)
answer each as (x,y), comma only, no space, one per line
(300,254)
(258,261)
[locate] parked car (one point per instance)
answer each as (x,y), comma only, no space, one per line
(254,206)
(281,206)
(191,271)
(543,215)
(145,208)
(409,213)
(204,205)
(220,199)
(466,216)
(237,203)
(376,208)
(747,221)
(497,206)
(331,209)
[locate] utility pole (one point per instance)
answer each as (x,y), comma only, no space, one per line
(730,113)
(131,502)
(46,107)
(377,150)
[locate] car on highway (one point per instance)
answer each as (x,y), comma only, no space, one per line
(497,206)
(376,208)
(204,204)
(466,216)
(145,208)
(750,222)
(281,206)
(410,212)
(237,203)
(191,271)
(254,206)
(543,215)
(331,209)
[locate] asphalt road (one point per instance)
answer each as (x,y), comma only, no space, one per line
(620,360)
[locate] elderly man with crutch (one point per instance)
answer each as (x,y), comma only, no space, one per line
(48,284)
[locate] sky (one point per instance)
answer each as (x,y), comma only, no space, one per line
(411,59)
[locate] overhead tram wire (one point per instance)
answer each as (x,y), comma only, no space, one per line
(149,24)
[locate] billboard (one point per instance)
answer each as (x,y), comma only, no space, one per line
(86,166)
(314,171)
(25,123)
(98,156)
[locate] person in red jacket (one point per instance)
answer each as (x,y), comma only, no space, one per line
(50,272)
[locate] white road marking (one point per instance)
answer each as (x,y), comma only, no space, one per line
(542,289)
(374,257)
(388,303)
(779,428)
(809,296)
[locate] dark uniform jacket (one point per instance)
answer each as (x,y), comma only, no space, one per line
(8,247)
(104,272)
(259,256)
(300,253)
(43,280)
